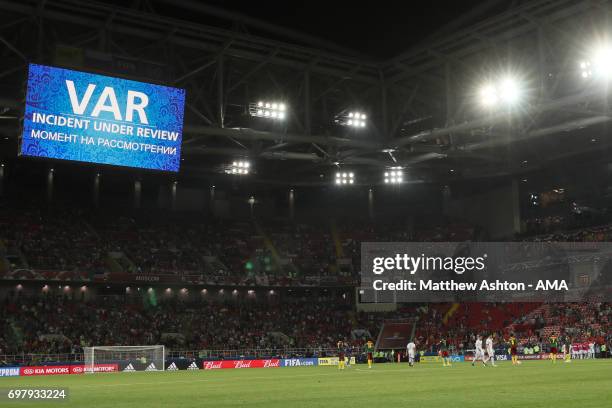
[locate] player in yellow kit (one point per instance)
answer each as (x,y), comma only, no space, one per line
(369,349)
(513,350)
(340,355)
(554,348)
(444,353)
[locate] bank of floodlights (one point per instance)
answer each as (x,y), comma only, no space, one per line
(354,119)
(239,168)
(599,64)
(268,110)
(394,175)
(344,178)
(504,92)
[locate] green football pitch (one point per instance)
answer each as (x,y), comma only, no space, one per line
(580,384)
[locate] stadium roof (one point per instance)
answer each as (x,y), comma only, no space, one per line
(422,104)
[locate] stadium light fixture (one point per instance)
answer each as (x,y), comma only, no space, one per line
(600,63)
(345,178)
(354,119)
(506,91)
(488,96)
(510,91)
(268,110)
(394,175)
(239,168)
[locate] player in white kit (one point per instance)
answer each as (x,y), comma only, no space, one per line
(591,350)
(411,351)
(479,354)
(490,350)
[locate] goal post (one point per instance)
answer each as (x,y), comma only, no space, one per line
(126,358)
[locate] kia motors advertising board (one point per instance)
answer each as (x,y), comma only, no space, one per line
(65,369)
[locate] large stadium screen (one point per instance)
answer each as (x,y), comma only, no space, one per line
(79,116)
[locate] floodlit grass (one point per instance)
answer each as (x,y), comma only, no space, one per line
(580,384)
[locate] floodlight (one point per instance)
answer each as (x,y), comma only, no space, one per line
(509,91)
(602,61)
(343,178)
(353,119)
(394,175)
(263,109)
(488,96)
(239,167)
(506,91)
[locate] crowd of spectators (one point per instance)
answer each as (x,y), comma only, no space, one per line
(219,251)
(240,252)
(62,324)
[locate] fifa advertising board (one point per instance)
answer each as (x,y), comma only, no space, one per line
(85,117)
(299,362)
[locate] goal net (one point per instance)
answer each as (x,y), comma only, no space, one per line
(124,358)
